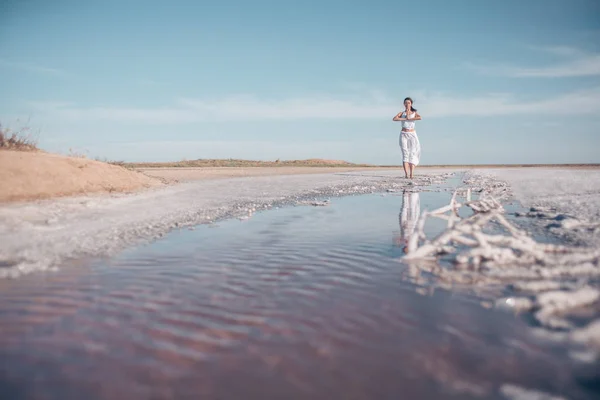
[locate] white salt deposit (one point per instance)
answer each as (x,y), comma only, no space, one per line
(556,277)
(569,197)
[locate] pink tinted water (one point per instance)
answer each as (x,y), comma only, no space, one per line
(296,303)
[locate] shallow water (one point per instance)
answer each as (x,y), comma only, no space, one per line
(298,302)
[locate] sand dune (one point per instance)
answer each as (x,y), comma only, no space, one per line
(39,175)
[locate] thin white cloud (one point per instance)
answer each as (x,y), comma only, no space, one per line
(38,69)
(240,107)
(319,107)
(248,108)
(577,102)
(574,63)
(561,51)
(367,150)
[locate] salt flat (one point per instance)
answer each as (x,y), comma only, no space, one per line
(571,192)
(575,191)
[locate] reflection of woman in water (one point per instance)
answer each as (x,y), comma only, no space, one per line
(411,210)
(409,141)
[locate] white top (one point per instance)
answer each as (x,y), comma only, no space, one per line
(408,124)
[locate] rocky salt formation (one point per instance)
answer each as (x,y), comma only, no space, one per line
(485,251)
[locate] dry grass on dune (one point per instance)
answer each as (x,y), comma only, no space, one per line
(19,140)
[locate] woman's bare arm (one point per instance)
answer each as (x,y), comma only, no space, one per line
(416,118)
(398,117)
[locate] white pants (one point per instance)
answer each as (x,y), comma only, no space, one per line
(411,148)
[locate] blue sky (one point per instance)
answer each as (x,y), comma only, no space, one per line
(496,82)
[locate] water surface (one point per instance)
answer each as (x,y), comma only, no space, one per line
(298,302)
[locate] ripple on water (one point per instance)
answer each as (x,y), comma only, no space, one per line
(295,303)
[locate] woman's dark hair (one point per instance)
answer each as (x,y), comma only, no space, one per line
(411,103)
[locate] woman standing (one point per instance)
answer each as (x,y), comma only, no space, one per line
(409,141)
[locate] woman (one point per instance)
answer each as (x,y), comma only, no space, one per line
(409,141)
